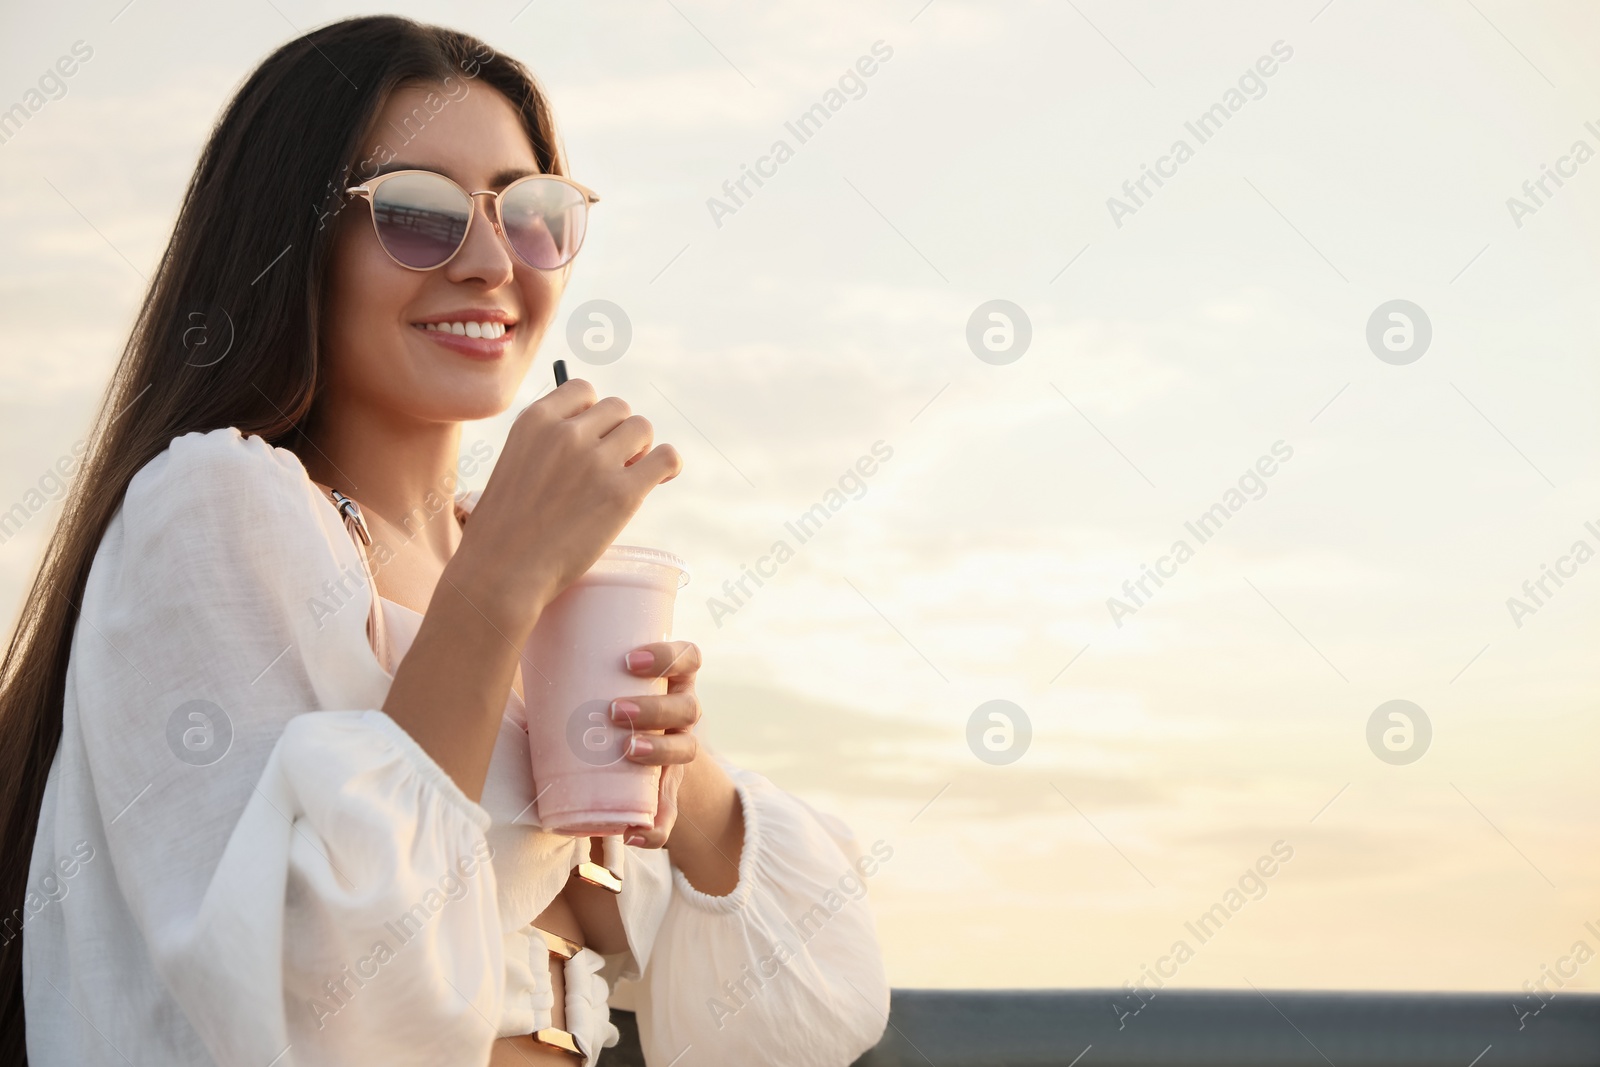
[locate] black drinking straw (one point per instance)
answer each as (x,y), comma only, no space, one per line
(561,373)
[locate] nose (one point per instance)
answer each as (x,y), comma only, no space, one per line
(484,256)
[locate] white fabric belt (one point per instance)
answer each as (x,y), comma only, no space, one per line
(587,1012)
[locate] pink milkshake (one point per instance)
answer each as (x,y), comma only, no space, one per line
(572,668)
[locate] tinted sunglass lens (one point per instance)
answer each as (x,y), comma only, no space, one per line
(544,221)
(421,218)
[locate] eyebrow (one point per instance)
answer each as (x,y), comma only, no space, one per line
(499,179)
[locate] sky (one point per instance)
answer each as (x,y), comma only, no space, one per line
(1324,383)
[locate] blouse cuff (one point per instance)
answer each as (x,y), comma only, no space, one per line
(787,961)
(749,859)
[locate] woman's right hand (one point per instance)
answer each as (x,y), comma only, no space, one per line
(574,470)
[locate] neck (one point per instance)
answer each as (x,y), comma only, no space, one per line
(401,471)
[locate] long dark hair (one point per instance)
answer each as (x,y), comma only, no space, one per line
(227,336)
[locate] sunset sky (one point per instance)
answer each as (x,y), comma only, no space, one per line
(1181,341)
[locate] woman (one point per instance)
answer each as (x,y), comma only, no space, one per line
(276,788)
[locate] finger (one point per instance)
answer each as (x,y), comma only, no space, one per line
(651,836)
(603,416)
(656,835)
(629,438)
(662,750)
(642,838)
(663,659)
(661,464)
(657,711)
(565,400)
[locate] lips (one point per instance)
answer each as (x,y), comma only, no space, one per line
(480,347)
(469,314)
(474,332)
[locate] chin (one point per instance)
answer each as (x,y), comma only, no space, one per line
(461,404)
(473,412)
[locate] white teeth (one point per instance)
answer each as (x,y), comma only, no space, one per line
(488,330)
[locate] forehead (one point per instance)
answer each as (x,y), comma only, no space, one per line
(463,128)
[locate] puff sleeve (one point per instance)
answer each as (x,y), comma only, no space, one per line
(784,970)
(289,879)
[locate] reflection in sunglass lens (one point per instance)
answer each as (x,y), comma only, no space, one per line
(421,218)
(544,221)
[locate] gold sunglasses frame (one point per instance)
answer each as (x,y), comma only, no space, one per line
(367,189)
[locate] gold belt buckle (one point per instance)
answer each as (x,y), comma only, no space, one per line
(558,945)
(595,874)
(554,1036)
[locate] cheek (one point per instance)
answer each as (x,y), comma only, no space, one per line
(363,311)
(541,296)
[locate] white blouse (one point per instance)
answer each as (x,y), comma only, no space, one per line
(242,860)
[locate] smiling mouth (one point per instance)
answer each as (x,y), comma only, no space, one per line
(486,330)
(472,340)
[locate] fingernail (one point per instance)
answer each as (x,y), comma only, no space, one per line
(638,661)
(640,745)
(633,839)
(624,710)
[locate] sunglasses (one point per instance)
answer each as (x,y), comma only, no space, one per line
(422,217)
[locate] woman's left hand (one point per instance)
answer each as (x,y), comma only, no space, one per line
(674,713)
